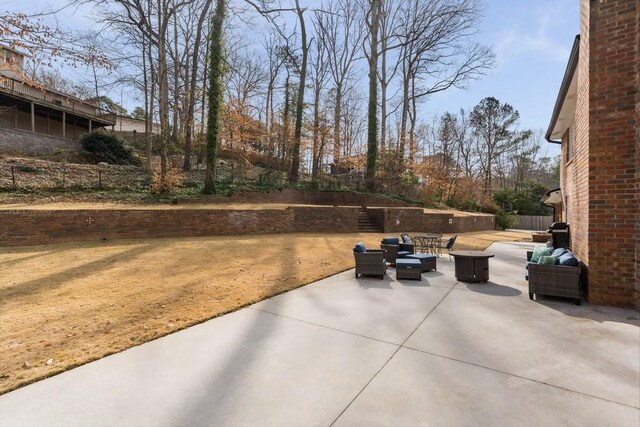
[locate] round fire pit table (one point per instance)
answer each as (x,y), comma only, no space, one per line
(472,266)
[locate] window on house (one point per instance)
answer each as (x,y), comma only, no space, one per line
(569,137)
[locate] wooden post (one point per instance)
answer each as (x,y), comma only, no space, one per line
(64,124)
(33,117)
(90,124)
(16,117)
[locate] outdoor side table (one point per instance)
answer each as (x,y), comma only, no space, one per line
(472,266)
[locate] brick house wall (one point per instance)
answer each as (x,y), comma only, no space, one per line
(574,177)
(613,152)
(600,169)
(637,277)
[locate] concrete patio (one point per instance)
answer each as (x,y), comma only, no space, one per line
(367,352)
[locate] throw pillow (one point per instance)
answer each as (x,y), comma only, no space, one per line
(360,248)
(406,239)
(558,252)
(547,260)
(569,259)
(540,251)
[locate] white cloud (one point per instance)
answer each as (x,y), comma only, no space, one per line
(536,34)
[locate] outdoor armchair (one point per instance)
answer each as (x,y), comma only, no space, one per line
(396,249)
(369,261)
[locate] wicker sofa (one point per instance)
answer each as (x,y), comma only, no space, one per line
(369,262)
(555,280)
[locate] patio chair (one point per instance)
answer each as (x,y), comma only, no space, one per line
(396,249)
(369,261)
(448,245)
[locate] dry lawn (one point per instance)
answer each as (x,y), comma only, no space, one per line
(65,305)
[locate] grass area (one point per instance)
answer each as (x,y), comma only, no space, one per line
(65,305)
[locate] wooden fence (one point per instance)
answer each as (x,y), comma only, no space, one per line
(538,223)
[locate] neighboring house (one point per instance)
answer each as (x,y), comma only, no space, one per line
(596,121)
(131,125)
(27,106)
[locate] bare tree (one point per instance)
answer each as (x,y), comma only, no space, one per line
(193,82)
(275,61)
(319,74)
(437,53)
(373,22)
(340,30)
(495,129)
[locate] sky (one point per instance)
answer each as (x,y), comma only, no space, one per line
(531,39)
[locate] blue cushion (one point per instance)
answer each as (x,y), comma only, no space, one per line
(558,252)
(568,259)
(360,247)
(390,241)
(421,256)
(406,262)
(402,254)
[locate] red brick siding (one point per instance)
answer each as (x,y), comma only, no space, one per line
(637,276)
(574,177)
(613,182)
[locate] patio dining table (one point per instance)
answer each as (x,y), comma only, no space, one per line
(427,242)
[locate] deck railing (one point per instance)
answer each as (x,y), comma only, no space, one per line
(48,98)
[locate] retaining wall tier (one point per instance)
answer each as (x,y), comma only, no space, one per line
(301,197)
(39,227)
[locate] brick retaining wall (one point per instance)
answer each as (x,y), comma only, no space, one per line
(292,196)
(38,227)
(325,219)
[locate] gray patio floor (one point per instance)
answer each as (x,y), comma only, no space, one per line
(366,352)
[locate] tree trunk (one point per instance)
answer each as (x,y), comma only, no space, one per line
(216,52)
(405,113)
(337,111)
(372,125)
(413,118)
(147,118)
(295,160)
(316,127)
(192,88)
(163,88)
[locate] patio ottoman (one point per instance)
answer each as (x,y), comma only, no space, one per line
(407,268)
(428,261)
